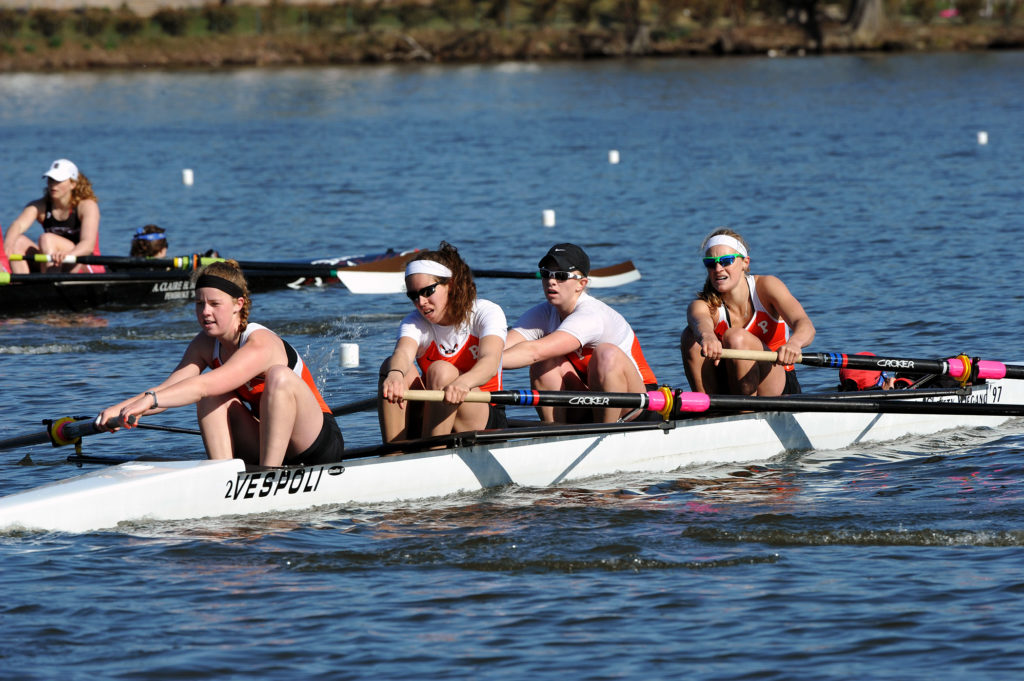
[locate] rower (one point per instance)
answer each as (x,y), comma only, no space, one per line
(149,242)
(739,310)
(258,401)
(452,341)
(70,216)
(576,342)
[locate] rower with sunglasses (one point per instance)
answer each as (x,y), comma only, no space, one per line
(576,342)
(452,341)
(738,310)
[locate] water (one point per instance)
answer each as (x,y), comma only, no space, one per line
(858,180)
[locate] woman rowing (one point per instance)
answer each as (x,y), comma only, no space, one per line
(70,216)
(258,401)
(739,310)
(452,341)
(576,342)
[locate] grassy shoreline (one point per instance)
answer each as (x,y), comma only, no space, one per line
(276,35)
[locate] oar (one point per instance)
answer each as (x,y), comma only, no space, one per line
(958,367)
(655,400)
(192,262)
(65,431)
(666,402)
(390,277)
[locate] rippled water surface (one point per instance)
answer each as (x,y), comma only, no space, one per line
(858,180)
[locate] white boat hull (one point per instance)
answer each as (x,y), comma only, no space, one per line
(160,490)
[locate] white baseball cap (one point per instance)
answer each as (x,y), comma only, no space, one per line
(62,169)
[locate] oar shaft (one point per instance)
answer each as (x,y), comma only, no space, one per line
(59,432)
(954,366)
(699,402)
(655,400)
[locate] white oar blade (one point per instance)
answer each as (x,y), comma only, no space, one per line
(373,282)
(616,275)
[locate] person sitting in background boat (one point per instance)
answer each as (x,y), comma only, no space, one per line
(576,342)
(455,339)
(258,401)
(863,379)
(70,216)
(5,265)
(739,310)
(149,242)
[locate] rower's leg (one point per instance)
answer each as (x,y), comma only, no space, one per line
(441,418)
(557,373)
(23,246)
(611,370)
(401,421)
(228,427)
(701,374)
(747,377)
(290,416)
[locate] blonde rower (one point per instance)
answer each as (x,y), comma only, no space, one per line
(741,311)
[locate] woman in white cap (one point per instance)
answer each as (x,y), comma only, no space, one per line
(452,341)
(70,217)
(739,310)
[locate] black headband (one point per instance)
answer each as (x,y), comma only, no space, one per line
(213,281)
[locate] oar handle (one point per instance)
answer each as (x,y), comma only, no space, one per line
(755,355)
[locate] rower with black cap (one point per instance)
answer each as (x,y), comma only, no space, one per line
(574,341)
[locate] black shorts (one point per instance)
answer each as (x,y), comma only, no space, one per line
(792,386)
(496,417)
(328,447)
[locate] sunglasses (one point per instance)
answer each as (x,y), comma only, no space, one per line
(725,260)
(558,275)
(426,291)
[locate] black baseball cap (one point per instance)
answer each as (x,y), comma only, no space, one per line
(566,257)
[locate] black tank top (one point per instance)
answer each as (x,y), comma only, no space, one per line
(69,228)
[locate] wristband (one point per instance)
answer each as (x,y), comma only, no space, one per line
(398,370)
(155,403)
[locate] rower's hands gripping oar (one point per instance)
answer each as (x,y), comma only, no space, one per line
(126,414)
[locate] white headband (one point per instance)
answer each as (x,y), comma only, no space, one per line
(724,240)
(431,267)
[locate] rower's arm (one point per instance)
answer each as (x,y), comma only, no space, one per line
(89,217)
(525,353)
(792,312)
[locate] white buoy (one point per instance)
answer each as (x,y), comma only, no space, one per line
(982,137)
(613,156)
(349,355)
(187,178)
(549,218)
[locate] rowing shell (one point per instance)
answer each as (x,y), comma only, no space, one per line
(129,288)
(539,456)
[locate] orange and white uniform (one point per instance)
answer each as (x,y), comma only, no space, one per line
(771,331)
(252,391)
(592,323)
(457,346)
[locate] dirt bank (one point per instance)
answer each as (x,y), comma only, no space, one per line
(454,46)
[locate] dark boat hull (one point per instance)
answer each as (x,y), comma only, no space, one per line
(133,288)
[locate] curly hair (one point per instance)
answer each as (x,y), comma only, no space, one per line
(82,191)
(148,248)
(232,271)
(461,287)
(708,294)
